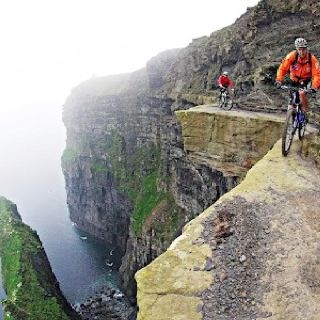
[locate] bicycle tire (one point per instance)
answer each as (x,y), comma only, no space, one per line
(228,105)
(302,129)
(222,101)
(288,132)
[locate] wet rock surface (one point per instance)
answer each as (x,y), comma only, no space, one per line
(108,303)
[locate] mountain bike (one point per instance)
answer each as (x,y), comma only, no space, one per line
(225,100)
(295,120)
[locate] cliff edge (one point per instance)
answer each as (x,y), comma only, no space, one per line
(254,254)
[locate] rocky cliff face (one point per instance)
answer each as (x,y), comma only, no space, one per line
(250,49)
(125,162)
(131,178)
(230,141)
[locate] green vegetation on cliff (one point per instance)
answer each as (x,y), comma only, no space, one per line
(69,155)
(138,176)
(28,296)
(146,200)
(136,172)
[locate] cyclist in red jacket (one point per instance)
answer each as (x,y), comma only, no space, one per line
(225,83)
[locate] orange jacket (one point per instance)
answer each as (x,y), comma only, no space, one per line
(301,70)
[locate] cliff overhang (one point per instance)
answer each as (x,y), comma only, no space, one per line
(229,141)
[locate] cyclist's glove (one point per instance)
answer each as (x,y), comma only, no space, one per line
(277,84)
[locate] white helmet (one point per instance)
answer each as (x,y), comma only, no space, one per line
(225,73)
(300,43)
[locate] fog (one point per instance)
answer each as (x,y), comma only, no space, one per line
(48,47)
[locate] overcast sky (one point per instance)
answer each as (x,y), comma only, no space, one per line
(68,41)
(49,46)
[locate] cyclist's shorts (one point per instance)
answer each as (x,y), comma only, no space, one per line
(294,98)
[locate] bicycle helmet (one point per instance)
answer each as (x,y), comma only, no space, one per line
(300,43)
(225,73)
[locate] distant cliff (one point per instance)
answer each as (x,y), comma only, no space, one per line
(32,289)
(131,177)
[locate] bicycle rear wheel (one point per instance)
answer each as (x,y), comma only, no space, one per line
(289,130)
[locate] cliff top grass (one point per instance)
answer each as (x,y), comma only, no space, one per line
(27,298)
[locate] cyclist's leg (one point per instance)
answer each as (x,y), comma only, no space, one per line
(304,101)
(291,100)
(222,90)
(220,98)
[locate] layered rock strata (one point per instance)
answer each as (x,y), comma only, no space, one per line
(230,141)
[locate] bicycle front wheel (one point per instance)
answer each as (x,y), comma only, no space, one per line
(288,132)
(228,103)
(302,129)
(222,101)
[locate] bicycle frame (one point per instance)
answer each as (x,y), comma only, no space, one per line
(225,100)
(295,119)
(298,112)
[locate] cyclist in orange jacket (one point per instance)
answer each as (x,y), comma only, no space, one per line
(304,70)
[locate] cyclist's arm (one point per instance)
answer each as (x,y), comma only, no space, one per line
(315,73)
(285,65)
(219,82)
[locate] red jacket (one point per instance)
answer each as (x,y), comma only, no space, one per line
(225,81)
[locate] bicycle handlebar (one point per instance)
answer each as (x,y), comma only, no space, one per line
(284,87)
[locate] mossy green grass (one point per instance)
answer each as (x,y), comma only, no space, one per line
(27,297)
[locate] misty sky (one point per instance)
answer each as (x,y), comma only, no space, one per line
(48,47)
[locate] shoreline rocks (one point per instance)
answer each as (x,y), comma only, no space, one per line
(107,303)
